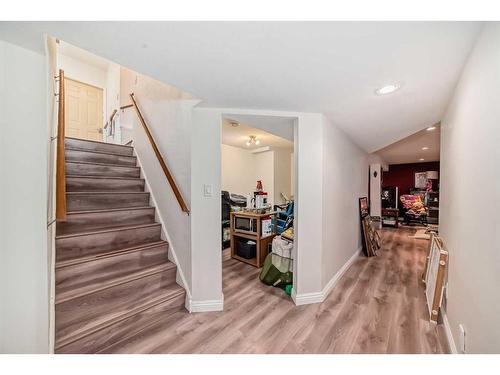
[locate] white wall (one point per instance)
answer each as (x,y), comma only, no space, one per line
(237,170)
(206,211)
(282,175)
(264,171)
(345,180)
(169,119)
(24,294)
(113,102)
(470,186)
(242,168)
(308,220)
(332,173)
(52,87)
(81,71)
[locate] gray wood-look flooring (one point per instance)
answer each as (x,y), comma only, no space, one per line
(378,306)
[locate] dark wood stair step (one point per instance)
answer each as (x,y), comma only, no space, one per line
(80,245)
(83,144)
(81,168)
(102,273)
(84,221)
(86,201)
(119,334)
(103,183)
(72,154)
(106,254)
(95,312)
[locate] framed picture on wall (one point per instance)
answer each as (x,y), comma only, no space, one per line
(420,180)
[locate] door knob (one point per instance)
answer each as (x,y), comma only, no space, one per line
(99,130)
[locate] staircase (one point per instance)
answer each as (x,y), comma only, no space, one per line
(113,277)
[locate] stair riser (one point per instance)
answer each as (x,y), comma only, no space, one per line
(97,243)
(98,201)
(80,169)
(88,276)
(79,222)
(96,146)
(81,316)
(124,329)
(93,157)
(103,184)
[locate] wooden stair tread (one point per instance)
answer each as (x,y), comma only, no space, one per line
(127,329)
(109,210)
(102,177)
(95,151)
(92,200)
(92,141)
(104,281)
(86,144)
(85,315)
(95,242)
(90,258)
(107,229)
(87,220)
(101,164)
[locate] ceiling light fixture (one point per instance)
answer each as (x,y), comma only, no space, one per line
(425,148)
(430,128)
(387,89)
(252,140)
(421,159)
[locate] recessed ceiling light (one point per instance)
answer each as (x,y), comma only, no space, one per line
(387,89)
(425,148)
(430,128)
(421,159)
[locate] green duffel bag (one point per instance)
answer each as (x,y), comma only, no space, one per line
(277,270)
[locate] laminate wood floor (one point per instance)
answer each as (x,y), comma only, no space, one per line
(378,306)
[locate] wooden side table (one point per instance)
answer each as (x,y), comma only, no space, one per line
(257,236)
(392,215)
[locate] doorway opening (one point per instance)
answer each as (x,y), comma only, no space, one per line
(257,201)
(406,192)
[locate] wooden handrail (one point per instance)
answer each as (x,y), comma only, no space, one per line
(111,118)
(126,106)
(60,163)
(168,175)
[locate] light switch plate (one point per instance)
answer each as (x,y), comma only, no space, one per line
(207,190)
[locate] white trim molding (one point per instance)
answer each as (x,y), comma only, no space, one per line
(318,297)
(448,332)
(205,306)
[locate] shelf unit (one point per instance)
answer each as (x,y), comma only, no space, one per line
(262,242)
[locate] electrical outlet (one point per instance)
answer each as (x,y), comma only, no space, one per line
(461,339)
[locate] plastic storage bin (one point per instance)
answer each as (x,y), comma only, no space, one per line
(246,248)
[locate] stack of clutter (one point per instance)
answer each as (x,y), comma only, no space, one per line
(278,266)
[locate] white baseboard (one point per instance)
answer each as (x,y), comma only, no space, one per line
(318,297)
(205,306)
(449,334)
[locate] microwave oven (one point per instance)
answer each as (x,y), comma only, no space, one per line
(245,224)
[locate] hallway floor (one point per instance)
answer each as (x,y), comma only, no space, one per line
(377,307)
